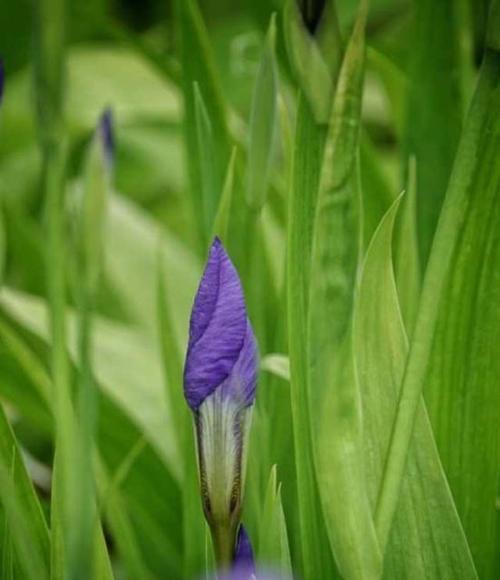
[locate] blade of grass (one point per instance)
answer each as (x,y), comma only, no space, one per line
(477,141)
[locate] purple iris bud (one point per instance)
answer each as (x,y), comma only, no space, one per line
(220,377)
(2,78)
(222,353)
(107,135)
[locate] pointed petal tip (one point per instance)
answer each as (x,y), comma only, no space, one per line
(244,552)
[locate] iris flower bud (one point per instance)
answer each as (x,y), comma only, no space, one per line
(220,377)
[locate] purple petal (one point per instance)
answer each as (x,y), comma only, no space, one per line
(241,383)
(221,342)
(243,554)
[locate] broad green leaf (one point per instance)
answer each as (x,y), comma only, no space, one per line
(100,77)
(130,266)
(273,552)
(462,385)
(263,124)
(435,109)
(427,539)
(26,523)
(473,187)
(333,395)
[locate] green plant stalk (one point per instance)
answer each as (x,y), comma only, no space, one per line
(447,234)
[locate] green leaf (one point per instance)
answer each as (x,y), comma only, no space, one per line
(150,494)
(263,124)
(308,151)
(462,385)
(194,556)
(210,187)
(435,109)
(25,520)
(222,217)
(113,508)
(198,67)
(408,277)
(473,184)
(130,266)
(90,231)
(316,59)
(377,194)
(127,366)
(427,539)
(273,549)
(49,70)
(333,395)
